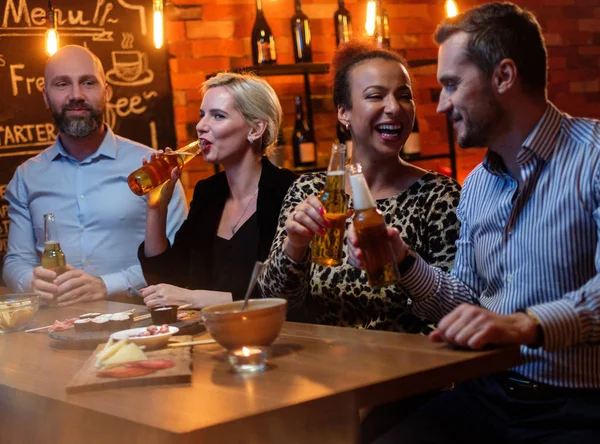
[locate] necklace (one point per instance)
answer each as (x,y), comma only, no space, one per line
(235,225)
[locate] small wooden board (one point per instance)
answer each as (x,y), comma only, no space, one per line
(86,380)
(89,340)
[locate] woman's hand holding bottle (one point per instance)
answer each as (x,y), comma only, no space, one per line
(160,197)
(307,219)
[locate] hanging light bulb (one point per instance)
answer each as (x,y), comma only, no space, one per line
(157,7)
(451,8)
(51,36)
(370,21)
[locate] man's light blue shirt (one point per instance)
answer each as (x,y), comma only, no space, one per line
(100,221)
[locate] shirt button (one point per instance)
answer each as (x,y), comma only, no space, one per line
(82,228)
(81,196)
(509,278)
(86,263)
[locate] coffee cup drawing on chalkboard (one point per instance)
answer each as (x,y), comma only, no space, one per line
(130,68)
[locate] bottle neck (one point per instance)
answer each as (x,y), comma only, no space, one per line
(298,5)
(337,161)
(363,200)
(259,6)
(50,234)
(341,4)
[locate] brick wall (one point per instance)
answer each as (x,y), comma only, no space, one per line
(205,36)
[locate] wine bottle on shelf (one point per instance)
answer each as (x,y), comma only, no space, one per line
(303,142)
(263,41)
(412,147)
(382,26)
(386,41)
(301,35)
(342,22)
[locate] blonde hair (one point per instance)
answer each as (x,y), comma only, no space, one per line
(255,99)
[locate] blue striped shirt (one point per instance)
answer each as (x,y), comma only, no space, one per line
(535,248)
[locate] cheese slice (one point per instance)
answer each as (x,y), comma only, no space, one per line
(129,353)
(109,350)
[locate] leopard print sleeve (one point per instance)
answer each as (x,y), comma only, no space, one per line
(283,277)
(439,226)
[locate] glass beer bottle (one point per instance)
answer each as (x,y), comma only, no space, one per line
(158,170)
(370,227)
(327,249)
(53,257)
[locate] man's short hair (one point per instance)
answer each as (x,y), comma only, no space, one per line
(498,31)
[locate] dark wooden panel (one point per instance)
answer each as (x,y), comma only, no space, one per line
(140,103)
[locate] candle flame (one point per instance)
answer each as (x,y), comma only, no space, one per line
(370,21)
(245,351)
(451,8)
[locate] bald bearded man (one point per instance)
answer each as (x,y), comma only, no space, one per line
(82,179)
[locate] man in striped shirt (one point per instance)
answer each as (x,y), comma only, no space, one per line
(527,267)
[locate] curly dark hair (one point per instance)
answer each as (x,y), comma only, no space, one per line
(498,31)
(349,55)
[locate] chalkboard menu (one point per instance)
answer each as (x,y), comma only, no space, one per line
(120,33)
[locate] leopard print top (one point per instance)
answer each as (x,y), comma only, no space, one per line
(425,215)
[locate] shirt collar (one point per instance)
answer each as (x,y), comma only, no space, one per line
(108,148)
(539,143)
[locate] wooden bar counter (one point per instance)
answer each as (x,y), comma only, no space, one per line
(317,379)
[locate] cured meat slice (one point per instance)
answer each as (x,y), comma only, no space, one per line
(63,325)
(125,372)
(156,364)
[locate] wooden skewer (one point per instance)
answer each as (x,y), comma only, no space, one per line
(38,328)
(132,311)
(141,317)
(190,343)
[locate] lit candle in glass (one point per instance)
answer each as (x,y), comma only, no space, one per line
(248,359)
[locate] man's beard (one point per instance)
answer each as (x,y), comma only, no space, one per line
(477,131)
(78,126)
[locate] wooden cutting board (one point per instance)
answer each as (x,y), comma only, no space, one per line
(89,340)
(86,380)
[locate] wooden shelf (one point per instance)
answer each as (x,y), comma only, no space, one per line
(285,70)
(290,69)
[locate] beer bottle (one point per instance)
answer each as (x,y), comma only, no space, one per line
(52,258)
(158,171)
(370,227)
(327,249)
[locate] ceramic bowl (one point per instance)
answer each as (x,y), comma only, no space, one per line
(154,341)
(259,324)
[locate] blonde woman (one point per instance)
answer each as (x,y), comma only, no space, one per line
(233,214)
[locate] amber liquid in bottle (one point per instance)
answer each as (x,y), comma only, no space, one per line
(53,257)
(371,232)
(327,249)
(158,171)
